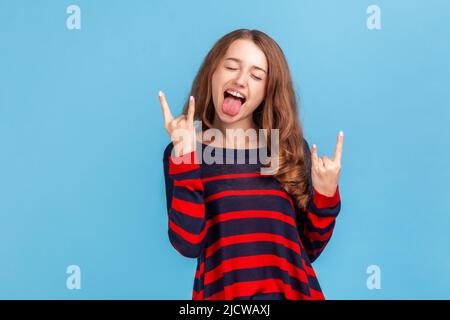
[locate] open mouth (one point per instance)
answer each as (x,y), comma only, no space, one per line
(232,104)
(226,95)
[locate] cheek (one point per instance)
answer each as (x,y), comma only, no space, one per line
(215,86)
(258,93)
(219,75)
(217,81)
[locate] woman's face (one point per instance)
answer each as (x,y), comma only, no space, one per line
(242,72)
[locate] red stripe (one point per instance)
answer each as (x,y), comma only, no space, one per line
(323,201)
(200,270)
(263,260)
(316,236)
(197,295)
(316,295)
(247,193)
(249,288)
(309,270)
(196,210)
(320,222)
(190,184)
(183,163)
(233,176)
(251,237)
(190,237)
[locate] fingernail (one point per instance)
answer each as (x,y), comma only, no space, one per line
(314,146)
(160,93)
(341,133)
(191,98)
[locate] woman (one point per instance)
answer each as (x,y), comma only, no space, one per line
(254,236)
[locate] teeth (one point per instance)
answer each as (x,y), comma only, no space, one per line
(235,93)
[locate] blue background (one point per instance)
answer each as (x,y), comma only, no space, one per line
(82,137)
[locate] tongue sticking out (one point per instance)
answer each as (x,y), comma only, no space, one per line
(231,105)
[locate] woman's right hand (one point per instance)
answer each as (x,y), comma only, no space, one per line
(181,129)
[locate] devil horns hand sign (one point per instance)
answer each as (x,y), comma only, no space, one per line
(181,129)
(325,171)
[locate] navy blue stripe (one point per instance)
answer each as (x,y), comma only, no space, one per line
(315,244)
(324,212)
(250,202)
(191,174)
(185,248)
(302,220)
(241,183)
(244,203)
(187,223)
(218,170)
(194,196)
(314,283)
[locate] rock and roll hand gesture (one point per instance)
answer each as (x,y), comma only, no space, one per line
(325,171)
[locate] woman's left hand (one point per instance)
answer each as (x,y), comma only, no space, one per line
(325,171)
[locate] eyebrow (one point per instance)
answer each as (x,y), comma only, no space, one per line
(237,60)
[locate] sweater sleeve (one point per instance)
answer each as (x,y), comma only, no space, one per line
(316,222)
(185,202)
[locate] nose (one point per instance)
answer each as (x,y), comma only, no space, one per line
(241,79)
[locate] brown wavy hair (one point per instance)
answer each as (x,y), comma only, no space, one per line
(278,110)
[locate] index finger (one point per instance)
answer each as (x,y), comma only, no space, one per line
(339,147)
(165,108)
(191,109)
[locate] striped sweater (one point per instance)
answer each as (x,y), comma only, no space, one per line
(248,236)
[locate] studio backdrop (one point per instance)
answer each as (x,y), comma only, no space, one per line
(82,199)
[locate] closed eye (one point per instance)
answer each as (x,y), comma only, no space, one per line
(255,77)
